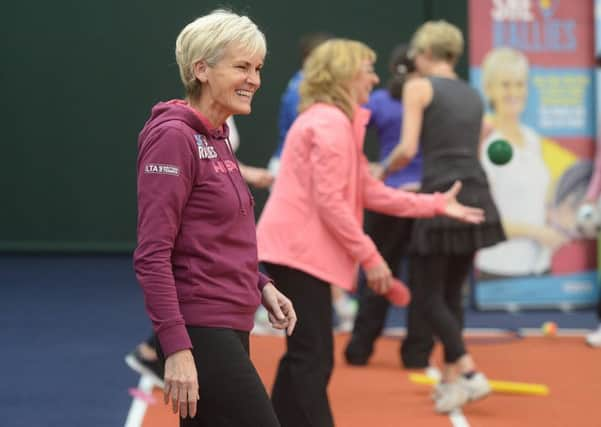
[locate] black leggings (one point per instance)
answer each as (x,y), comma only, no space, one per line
(231,392)
(437,282)
(299,395)
(391,236)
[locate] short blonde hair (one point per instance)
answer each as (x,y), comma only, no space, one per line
(328,71)
(502,60)
(206,39)
(442,39)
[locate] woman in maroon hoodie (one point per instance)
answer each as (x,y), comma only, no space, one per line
(196,257)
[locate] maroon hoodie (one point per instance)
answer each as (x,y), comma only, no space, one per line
(196,258)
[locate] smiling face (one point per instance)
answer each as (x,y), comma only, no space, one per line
(363,83)
(507,92)
(228,87)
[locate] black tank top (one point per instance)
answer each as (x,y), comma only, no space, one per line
(450,135)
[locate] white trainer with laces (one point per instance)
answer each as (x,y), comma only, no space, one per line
(477,387)
(450,396)
(439,390)
(433,372)
(346,310)
(594,339)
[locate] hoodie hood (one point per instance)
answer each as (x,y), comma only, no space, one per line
(180,110)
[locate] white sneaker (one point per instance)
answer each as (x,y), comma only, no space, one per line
(433,372)
(594,339)
(262,325)
(346,308)
(439,390)
(451,396)
(477,387)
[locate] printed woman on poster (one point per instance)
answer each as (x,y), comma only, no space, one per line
(521,187)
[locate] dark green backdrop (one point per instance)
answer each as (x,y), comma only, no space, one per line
(78,81)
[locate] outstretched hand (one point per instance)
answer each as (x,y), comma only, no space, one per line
(456,210)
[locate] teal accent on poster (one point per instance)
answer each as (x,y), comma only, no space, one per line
(560,102)
(565,292)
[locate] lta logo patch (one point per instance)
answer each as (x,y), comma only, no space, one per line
(160,169)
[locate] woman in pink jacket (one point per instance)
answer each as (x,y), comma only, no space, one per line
(310,235)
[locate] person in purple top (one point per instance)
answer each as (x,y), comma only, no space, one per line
(196,257)
(390,234)
(387,118)
(291,98)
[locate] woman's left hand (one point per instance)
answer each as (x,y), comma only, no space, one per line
(456,210)
(280,309)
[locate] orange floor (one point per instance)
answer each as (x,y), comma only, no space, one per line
(381,395)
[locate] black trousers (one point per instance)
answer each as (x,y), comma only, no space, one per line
(437,284)
(299,396)
(231,392)
(391,236)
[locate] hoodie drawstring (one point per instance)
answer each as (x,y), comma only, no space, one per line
(233,158)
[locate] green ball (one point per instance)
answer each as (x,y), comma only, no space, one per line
(500,152)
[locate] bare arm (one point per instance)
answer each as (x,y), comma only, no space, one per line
(594,188)
(543,234)
(417,95)
(485,131)
(257,177)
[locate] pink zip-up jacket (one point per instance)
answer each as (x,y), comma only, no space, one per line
(313,220)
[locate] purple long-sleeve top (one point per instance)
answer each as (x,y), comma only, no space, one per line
(387,119)
(196,257)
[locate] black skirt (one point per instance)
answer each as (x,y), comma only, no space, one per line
(446,236)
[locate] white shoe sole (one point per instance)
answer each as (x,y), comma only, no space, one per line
(133,363)
(480,395)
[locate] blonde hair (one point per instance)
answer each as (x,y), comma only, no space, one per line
(443,40)
(207,37)
(503,60)
(328,71)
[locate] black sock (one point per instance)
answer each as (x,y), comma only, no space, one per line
(469,374)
